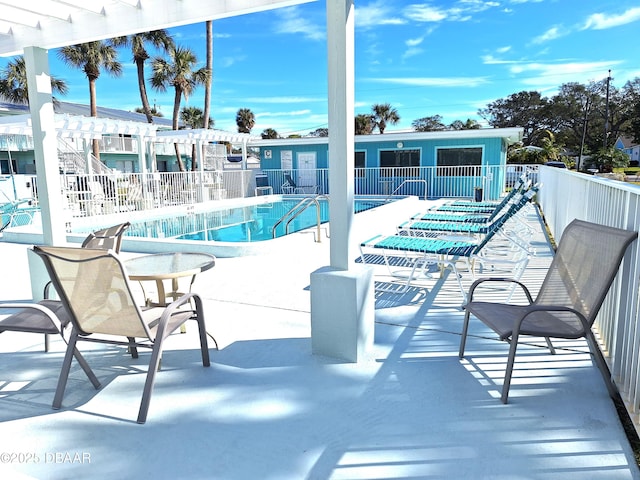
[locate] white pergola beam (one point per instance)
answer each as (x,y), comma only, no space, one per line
(92,20)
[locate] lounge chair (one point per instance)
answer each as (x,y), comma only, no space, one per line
(578,279)
(421,228)
(16,213)
(289,186)
(447,252)
(94,288)
(484,207)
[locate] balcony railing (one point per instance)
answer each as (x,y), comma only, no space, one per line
(567,195)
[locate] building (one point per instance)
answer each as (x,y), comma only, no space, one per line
(468,157)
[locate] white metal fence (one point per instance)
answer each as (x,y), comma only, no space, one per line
(567,195)
(107,193)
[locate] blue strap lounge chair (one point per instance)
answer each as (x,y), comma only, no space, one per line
(423,228)
(446,252)
(483,207)
(521,186)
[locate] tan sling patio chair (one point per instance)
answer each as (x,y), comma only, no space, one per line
(94,288)
(109,238)
(576,284)
(45,317)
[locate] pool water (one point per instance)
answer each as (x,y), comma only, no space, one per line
(242,224)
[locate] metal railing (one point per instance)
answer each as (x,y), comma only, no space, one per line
(567,195)
(296,211)
(109,192)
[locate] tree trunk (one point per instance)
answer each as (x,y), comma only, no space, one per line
(176,112)
(94,113)
(143,91)
(209,66)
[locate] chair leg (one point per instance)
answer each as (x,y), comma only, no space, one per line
(87,369)
(64,373)
(550,346)
(133,350)
(148,385)
(509,371)
(202,330)
(601,364)
(463,338)
(46,342)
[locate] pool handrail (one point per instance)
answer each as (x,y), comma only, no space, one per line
(300,207)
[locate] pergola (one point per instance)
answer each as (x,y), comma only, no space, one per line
(33,27)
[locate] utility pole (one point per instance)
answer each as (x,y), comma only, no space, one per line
(584,130)
(606,114)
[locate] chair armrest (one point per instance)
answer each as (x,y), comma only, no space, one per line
(480,281)
(173,306)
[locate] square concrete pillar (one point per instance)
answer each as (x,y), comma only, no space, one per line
(342,312)
(39,277)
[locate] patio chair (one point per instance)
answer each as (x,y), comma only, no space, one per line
(94,288)
(578,279)
(109,238)
(46,317)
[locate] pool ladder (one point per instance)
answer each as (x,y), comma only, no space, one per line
(300,207)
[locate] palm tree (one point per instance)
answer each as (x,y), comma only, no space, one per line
(92,57)
(193,117)
(13,82)
(209,67)
(179,73)
(384,113)
(160,39)
(154,111)
(269,133)
(364,124)
(245,119)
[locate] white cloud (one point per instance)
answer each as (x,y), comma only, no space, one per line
(541,75)
(292,21)
(425,13)
(601,21)
(434,81)
(375,14)
(294,113)
(414,42)
(551,34)
(284,100)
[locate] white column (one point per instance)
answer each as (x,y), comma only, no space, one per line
(342,295)
(142,150)
(340,57)
(45,145)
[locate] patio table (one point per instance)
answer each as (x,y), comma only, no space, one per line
(159,267)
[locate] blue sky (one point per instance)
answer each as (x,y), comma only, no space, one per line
(446,58)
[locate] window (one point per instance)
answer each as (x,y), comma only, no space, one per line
(463,161)
(398,163)
(360,163)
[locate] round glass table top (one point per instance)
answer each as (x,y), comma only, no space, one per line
(168,265)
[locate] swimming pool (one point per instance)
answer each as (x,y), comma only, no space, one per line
(249,223)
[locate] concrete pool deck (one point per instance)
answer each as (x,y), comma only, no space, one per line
(267,408)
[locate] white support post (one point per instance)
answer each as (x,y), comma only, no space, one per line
(45,144)
(342,295)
